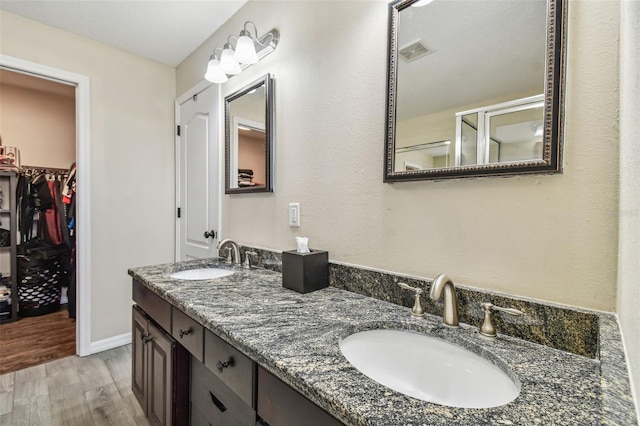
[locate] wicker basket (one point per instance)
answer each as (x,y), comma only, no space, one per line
(41,276)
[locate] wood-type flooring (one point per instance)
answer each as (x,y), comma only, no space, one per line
(82,391)
(35,340)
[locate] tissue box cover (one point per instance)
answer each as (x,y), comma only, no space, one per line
(305,272)
(9,157)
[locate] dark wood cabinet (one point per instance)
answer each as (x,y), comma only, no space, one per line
(160,372)
(281,405)
(214,403)
(188,333)
(182,372)
(231,366)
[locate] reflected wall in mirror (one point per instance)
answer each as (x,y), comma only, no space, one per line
(249,138)
(474,88)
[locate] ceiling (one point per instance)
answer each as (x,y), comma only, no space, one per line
(166,31)
(481,50)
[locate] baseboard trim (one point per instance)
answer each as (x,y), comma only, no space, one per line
(110,343)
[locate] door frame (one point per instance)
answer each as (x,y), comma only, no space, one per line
(83,205)
(198,88)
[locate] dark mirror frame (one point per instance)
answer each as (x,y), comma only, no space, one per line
(553,108)
(268,82)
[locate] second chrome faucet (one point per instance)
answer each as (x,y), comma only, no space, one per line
(233,250)
(441,284)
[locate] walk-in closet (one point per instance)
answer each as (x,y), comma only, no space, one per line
(37,220)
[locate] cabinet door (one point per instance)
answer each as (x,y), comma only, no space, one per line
(280,405)
(215,401)
(160,377)
(139,357)
(231,366)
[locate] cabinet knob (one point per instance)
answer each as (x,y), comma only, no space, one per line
(183,333)
(211,234)
(222,365)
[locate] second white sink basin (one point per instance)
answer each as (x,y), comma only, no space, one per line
(201,274)
(429,369)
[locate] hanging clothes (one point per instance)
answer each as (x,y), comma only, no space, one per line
(49,228)
(69,206)
(46,201)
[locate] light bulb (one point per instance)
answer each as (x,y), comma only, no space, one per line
(421,3)
(227,63)
(214,73)
(245,49)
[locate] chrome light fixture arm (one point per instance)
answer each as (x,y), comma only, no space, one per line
(253,46)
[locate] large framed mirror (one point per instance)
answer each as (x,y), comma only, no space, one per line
(475,88)
(249,138)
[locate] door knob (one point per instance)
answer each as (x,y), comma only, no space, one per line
(211,234)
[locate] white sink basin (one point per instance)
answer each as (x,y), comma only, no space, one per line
(201,274)
(429,369)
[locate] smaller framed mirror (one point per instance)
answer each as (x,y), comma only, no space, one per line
(249,138)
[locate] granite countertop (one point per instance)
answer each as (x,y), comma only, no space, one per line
(295,336)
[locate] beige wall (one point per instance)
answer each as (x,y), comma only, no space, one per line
(629,212)
(547,237)
(552,238)
(42,125)
(132,159)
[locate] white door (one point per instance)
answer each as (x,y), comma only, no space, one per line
(198,186)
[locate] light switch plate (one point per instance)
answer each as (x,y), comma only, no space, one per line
(294,214)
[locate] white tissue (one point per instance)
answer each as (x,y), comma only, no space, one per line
(303,244)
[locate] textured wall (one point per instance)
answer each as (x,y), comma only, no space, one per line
(552,238)
(42,125)
(629,213)
(132,159)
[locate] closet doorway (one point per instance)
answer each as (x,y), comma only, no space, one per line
(64,335)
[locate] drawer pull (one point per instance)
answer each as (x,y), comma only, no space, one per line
(184,332)
(222,365)
(217,403)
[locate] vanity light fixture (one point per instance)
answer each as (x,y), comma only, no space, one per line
(421,3)
(248,51)
(214,72)
(228,64)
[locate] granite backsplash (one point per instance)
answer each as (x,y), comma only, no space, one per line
(560,327)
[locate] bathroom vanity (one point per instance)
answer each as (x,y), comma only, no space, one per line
(185,374)
(261,354)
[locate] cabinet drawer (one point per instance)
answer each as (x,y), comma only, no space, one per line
(188,333)
(214,403)
(155,306)
(197,418)
(231,366)
(280,405)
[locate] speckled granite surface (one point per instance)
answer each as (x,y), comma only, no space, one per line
(556,326)
(296,337)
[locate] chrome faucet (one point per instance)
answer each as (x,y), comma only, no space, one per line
(233,246)
(450,314)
